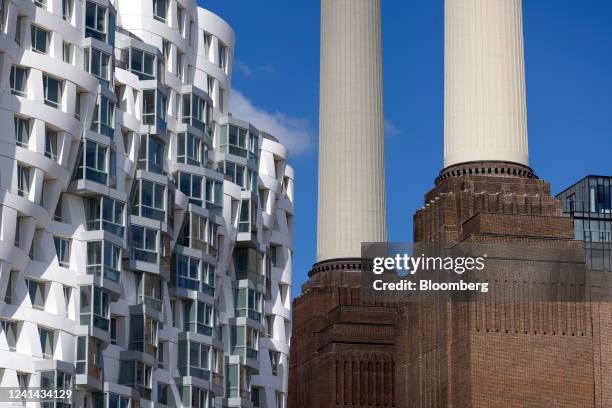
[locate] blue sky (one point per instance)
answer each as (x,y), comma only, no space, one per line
(569,95)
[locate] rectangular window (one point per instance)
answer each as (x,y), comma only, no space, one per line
(102,255)
(62,249)
(151,154)
(160,10)
(144,244)
(179,65)
(98,63)
(198,317)
(67,10)
(223,57)
(148,200)
(52,91)
(180,16)
(105,213)
(191,150)
(93,163)
(19,80)
(95,21)
(142,64)
(46,342)
(148,107)
(103,121)
(51,144)
(67,297)
(2,15)
(40,39)
(95,307)
(23,180)
(37,292)
(22,131)
(67,52)
(274,361)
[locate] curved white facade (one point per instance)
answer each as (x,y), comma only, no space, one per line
(485,103)
(145,235)
(352,196)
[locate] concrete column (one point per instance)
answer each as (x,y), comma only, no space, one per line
(351,206)
(485,108)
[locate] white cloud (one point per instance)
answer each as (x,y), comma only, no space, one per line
(243,68)
(291,131)
(391,129)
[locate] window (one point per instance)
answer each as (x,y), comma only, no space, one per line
(148,107)
(195,111)
(2,15)
(93,163)
(118,401)
(207,45)
(89,357)
(274,361)
(180,17)
(199,317)
(67,10)
(41,3)
(95,307)
(67,52)
(279,399)
(37,293)
(160,10)
(137,374)
(210,85)
(191,150)
(148,200)
(53,91)
(199,233)
(150,290)
(98,63)
(245,341)
(179,65)
(23,180)
(46,342)
(162,393)
(40,39)
(144,244)
(51,147)
(77,106)
(235,140)
(248,303)
(110,262)
(67,298)
(50,380)
(269,326)
(194,359)
(142,64)
(103,121)
(62,249)
(18,31)
(151,154)
(223,57)
(18,80)
(95,21)
(23,379)
(22,131)
(194,274)
(241,175)
(10,332)
(105,213)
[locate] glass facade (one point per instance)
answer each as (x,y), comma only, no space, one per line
(589,203)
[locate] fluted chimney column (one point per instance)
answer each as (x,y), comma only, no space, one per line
(351,202)
(485,106)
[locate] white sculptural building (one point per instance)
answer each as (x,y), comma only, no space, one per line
(146,234)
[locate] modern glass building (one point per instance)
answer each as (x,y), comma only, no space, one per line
(589,202)
(145,234)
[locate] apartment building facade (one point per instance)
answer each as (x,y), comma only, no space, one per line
(146,234)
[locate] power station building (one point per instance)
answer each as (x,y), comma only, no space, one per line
(349,349)
(146,233)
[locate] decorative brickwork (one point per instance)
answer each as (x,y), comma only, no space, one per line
(477,354)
